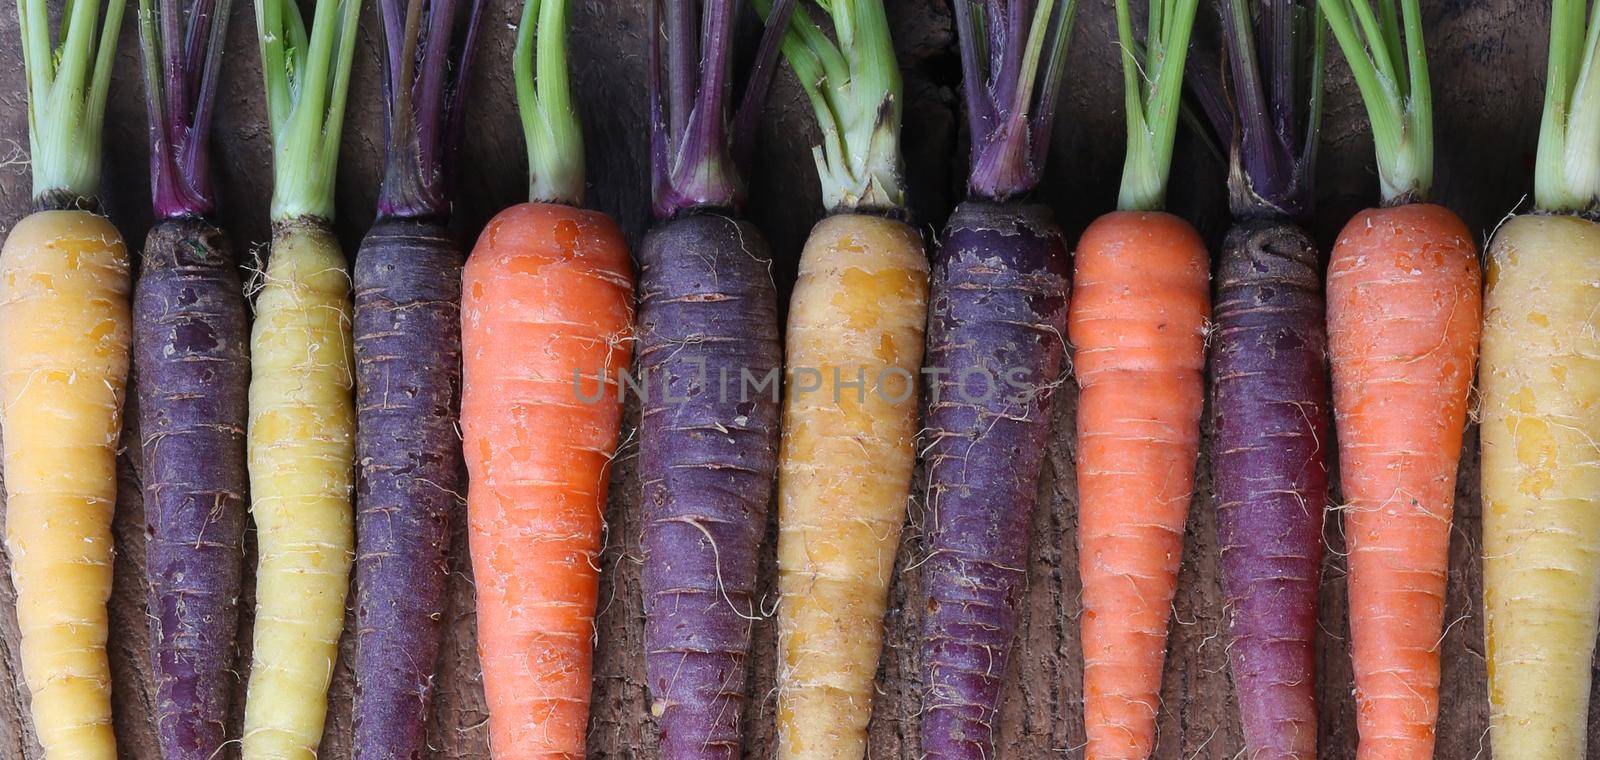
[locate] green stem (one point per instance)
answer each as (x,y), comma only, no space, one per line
(1567,173)
(1399,104)
(67,89)
(544,100)
(855,91)
(1153,89)
(307,81)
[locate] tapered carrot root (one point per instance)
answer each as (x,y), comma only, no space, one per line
(1137,323)
(1541,483)
(65,326)
(408,350)
(301,460)
(857,313)
(708,448)
(1271,441)
(547,308)
(1403,310)
(996,331)
(192,359)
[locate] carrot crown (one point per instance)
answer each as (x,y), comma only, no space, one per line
(423,103)
(1567,176)
(307,79)
(693,162)
(854,88)
(180,73)
(67,84)
(1276,51)
(1001,57)
(1389,58)
(1152,80)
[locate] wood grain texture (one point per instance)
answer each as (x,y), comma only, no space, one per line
(1488,62)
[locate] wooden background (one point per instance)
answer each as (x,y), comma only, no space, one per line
(1488,63)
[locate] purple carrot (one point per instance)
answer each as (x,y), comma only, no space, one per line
(1269,376)
(996,340)
(191,335)
(1270,417)
(408,378)
(708,337)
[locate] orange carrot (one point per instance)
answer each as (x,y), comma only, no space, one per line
(1404,304)
(1137,322)
(547,295)
(1403,315)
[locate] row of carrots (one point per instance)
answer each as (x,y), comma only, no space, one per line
(334,390)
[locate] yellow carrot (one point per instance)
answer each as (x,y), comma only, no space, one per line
(854,349)
(301,455)
(1541,483)
(1540,434)
(844,476)
(301,437)
(64,329)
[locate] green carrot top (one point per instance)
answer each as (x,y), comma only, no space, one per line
(307,80)
(1388,56)
(854,87)
(67,87)
(1152,80)
(544,99)
(1567,174)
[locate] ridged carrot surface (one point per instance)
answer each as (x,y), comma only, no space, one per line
(301,445)
(65,326)
(1540,386)
(1137,323)
(547,307)
(1403,319)
(844,478)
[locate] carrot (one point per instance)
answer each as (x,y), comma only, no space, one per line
(191,328)
(1137,325)
(407,334)
(708,308)
(64,344)
(547,309)
(1403,311)
(854,348)
(999,306)
(1538,385)
(1269,372)
(301,428)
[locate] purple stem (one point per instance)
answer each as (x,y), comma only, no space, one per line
(181,96)
(708,122)
(422,105)
(1010,128)
(456,105)
(980,101)
(658,119)
(692,160)
(1270,177)
(994,15)
(747,121)
(681,54)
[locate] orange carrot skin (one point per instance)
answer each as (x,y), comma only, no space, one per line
(1404,307)
(1137,322)
(546,293)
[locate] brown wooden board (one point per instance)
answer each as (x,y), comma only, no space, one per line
(1488,63)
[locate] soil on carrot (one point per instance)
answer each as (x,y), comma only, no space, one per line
(1488,52)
